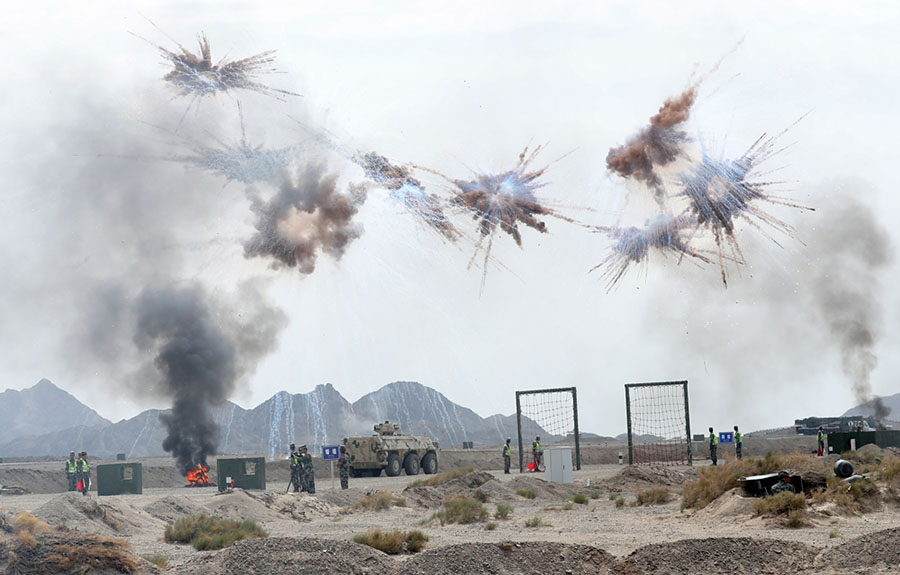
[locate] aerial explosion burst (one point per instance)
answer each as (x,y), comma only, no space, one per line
(720,192)
(242,161)
(304,218)
(665,234)
(197,76)
(409,192)
(656,145)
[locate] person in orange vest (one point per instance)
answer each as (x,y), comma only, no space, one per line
(71,471)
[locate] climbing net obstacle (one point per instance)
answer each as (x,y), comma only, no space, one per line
(551,414)
(659,423)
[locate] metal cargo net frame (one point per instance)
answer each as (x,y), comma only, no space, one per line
(552,414)
(659,423)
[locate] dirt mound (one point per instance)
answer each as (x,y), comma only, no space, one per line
(240,505)
(731,556)
(637,477)
(477,484)
(510,558)
(732,503)
(545,489)
(300,508)
(288,555)
(171,508)
(85,514)
(874,550)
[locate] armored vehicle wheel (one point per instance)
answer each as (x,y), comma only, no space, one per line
(393,465)
(411,464)
(429,464)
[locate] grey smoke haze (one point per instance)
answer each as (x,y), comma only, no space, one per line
(852,251)
(304,217)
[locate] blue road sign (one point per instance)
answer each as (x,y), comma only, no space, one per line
(331,452)
(726,437)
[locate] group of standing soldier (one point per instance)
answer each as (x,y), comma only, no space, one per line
(78,472)
(303,476)
(537,455)
(714,445)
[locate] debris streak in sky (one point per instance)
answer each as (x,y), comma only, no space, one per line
(197,75)
(656,145)
(303,218)
(409,192)
(665,234)
(721,191)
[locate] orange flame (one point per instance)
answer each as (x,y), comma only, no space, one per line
(198,476)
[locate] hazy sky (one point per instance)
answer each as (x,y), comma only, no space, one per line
(456,87)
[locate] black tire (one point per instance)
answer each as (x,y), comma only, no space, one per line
(393,465)
(354,473)
(411,464)
(430,463)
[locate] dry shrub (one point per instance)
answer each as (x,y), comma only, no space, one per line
(780,503)
(37,551)
(27,523)
(503,511)
(95,552)
(713,481)
(567,507)
(441,478)
(526,492)
(796,519)
(580,498)
(393,542)
(860,496)
(490,526)
(204,532)
(461,509)
(157,559)
(889,469)
(654,496)
(378,501)
(536,522)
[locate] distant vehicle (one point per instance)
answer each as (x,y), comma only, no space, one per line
(810,425)
(391,451)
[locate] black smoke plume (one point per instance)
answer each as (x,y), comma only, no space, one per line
(853,249)
(200,354)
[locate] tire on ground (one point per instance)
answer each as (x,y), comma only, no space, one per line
(393,465)
(411,464)
(430,463)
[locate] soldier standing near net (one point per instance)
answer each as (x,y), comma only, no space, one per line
(507,454)
(713,447)
(537,453)
(738,443)
(84,472)
(820,438)
(344,468)
(71,471)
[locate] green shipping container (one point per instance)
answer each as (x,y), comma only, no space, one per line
(245,472)
(840,442)
(119,478)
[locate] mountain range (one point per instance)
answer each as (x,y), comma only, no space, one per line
(320,417)
(892,402)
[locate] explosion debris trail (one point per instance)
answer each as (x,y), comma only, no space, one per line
(304,218)
(721,191)
(409,192)
(200,354)
(197,76)
(656,145)
(632,245)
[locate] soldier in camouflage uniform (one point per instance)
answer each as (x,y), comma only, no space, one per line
(784,484)
(294,460)
(344,468)
(308,477)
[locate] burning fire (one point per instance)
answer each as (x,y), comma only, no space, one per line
(198,476)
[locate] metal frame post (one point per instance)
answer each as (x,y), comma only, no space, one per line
(628,419)
(687,425)
(577,433)
(519,430)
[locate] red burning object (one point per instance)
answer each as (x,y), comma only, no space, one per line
(198,476)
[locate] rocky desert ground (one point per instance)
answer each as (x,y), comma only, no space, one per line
(594,525)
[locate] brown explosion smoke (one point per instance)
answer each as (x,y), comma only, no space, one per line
(304,218)
(656,145)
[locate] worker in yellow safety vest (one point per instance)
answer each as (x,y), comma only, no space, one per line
(84,472)
(507,454)
(738,443)
(71,471)
(713,447)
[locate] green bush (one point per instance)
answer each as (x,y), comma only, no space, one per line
(204,532)
(526,492)
(780,504)
(620,501)
(490,526)
(393,542)
(415,541)
(580,498)
(595,495)
(157,559)
(536,522)
(461,509)
(503,511)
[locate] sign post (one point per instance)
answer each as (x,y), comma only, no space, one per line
(331,453)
